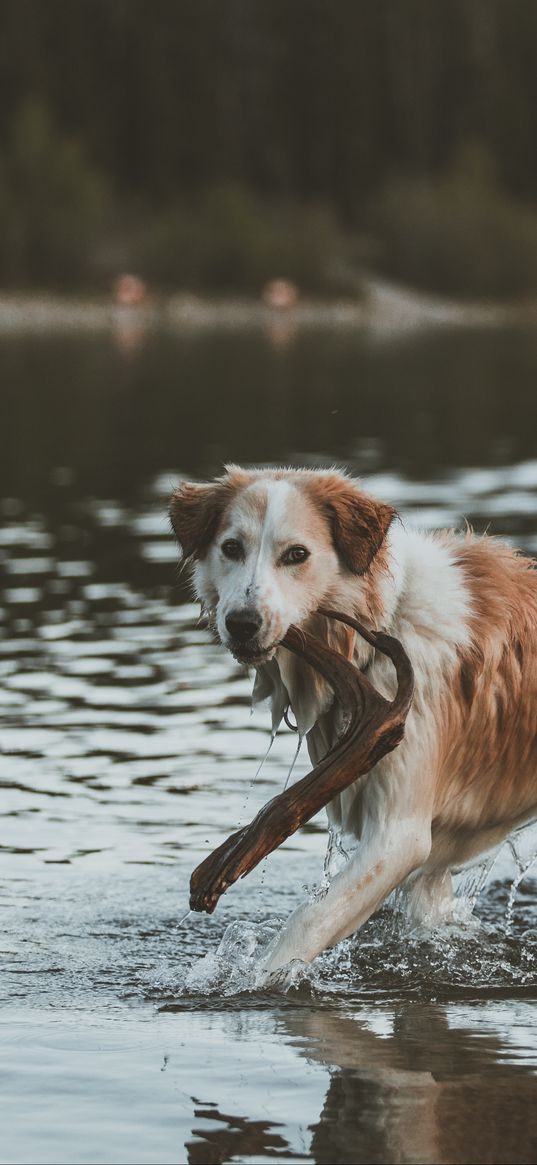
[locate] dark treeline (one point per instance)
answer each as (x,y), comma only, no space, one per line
(310,102)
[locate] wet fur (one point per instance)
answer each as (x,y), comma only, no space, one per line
(465,609)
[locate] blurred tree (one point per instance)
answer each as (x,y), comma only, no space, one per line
(458,234)
(303,102)
(308,99)
(51,200)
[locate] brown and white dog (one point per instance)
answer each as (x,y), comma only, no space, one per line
(268,548)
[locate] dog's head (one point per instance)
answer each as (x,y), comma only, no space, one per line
(270,546)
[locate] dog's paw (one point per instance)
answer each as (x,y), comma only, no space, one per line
(282,979)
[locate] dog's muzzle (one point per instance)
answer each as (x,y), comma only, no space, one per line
(243,627)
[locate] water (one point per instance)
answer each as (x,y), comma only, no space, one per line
(131,1032)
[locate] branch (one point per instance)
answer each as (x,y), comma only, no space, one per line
(373,727)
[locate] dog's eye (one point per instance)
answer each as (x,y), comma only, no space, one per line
(232,549)
(294,555)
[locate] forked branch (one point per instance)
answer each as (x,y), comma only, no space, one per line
(372,727)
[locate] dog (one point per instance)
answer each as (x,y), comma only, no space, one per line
(268,547)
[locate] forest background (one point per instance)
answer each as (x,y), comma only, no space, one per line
(210,146)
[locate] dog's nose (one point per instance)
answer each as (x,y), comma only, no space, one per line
(243,625)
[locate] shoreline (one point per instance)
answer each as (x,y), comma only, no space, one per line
(384,308)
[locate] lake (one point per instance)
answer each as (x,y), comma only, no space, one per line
(128,752)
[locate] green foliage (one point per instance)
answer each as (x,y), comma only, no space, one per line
(62,227)
(247,140)
(52,201)
(457,235)
(231,241)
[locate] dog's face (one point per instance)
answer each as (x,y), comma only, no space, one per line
(271,546)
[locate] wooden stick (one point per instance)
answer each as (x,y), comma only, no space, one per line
(372,727)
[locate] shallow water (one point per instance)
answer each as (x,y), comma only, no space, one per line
(128,751)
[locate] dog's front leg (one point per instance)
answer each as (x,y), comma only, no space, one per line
(385,857)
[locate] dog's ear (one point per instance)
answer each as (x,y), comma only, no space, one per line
(359,523)
(195,512)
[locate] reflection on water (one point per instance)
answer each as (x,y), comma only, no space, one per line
(235,1137)
(434,1090)
(127,752)
(192,400)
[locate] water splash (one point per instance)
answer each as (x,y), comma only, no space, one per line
(386,960)
(251,783)
(287,779)
(339,850)
(237,966)
(293,762)
(390,956)
(523,847)
(469,884)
